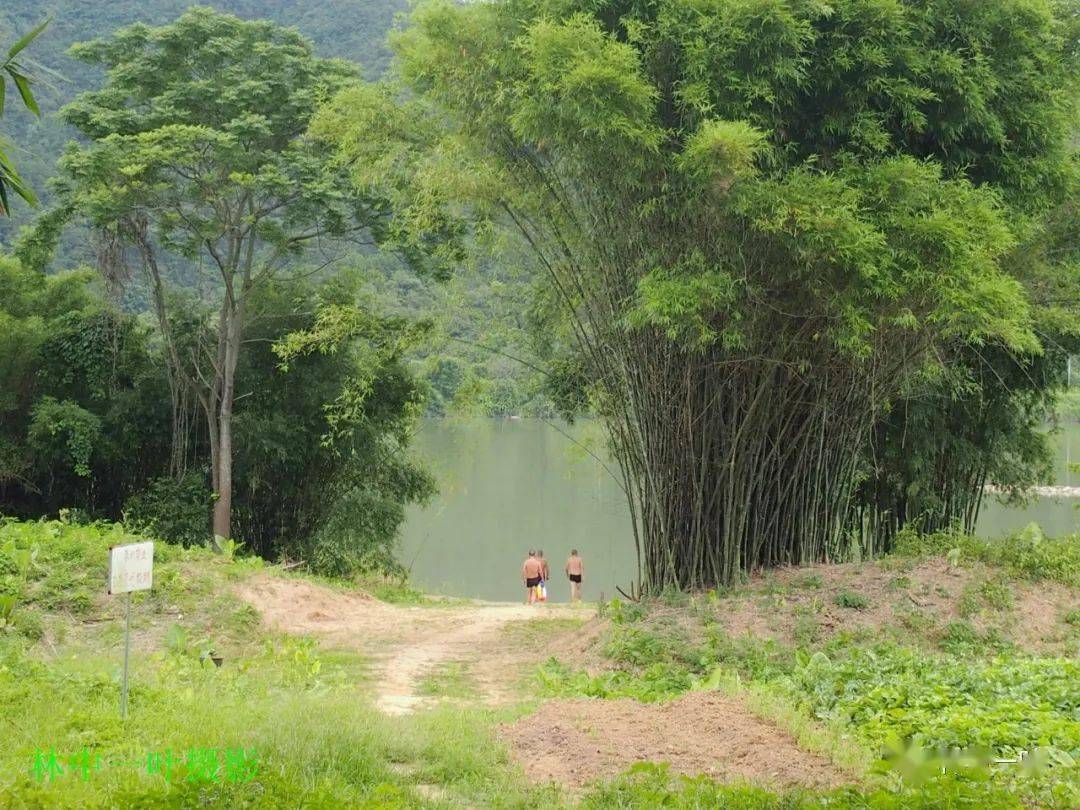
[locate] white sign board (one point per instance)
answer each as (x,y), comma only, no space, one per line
(131,568)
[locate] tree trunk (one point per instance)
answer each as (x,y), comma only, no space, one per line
(233,326)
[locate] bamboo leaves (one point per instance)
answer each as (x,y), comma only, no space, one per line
(11,69)
(753,251)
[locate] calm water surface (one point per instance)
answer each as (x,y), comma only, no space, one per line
(510,485)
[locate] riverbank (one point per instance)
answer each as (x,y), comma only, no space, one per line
(328,693)
(1040,492)
(506,486)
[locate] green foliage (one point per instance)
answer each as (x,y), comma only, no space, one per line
(83,417)
(850,599)
(785,202)
(973,691)
(365,423)
(64,435)
(194,153)
(652,785)
(1028,553)
(980,419)
(11,70)
(177,511)
(1004,704)
(302,712)
(961,638)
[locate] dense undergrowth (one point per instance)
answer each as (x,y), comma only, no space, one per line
(912,698)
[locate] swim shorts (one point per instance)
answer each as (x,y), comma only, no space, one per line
(532,582)
(575,577)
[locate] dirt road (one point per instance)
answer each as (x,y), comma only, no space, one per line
(570,742)
(406,642)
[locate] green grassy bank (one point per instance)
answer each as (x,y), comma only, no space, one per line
(283,723)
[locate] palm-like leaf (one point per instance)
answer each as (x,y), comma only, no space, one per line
(9,68)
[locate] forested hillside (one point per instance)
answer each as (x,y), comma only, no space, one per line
(353,29)
(467,367)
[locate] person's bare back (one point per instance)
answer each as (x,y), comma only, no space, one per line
(575,572)
(531,571)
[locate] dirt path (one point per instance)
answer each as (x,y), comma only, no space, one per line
(570,742)
(405,641)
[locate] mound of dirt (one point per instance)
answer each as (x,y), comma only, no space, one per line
(930,587)
(298,606)
(576,742)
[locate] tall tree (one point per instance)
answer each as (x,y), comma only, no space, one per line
(196,172)
(761,221)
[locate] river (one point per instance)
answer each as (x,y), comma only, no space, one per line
(506,486)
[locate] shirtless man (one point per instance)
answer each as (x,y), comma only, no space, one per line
(531,572)
(575,571)
(545,574)
(545,569)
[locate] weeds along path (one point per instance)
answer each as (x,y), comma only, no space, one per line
(569,742)
(406,642)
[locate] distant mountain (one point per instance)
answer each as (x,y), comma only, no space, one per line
(351,29)
(470,362)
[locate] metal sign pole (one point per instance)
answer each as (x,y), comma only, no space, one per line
(127,650)
(131,568)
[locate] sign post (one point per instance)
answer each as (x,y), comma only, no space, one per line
(131,568)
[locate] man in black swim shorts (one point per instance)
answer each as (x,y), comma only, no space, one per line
(575,572)
(531,572)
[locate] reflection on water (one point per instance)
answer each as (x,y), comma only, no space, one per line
(510,485)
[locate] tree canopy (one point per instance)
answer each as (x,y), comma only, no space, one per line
(196,152)
(760,221)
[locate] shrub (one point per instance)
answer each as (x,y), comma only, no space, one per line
(1028,553)
(177,511)
(850,599)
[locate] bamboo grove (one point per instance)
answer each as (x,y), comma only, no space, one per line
(760,225)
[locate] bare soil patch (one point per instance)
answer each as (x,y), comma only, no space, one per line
(405,642)
(576,742)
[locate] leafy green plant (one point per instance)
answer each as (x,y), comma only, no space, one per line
(962,638)
(7,609)
(1028,553)
(174,510)
(851,599)
(11,68)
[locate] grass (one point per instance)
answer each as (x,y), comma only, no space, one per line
(1028,554)
(904,695)
(280,723)
(850,599)
(450,680)
(541,630)
(284,722)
